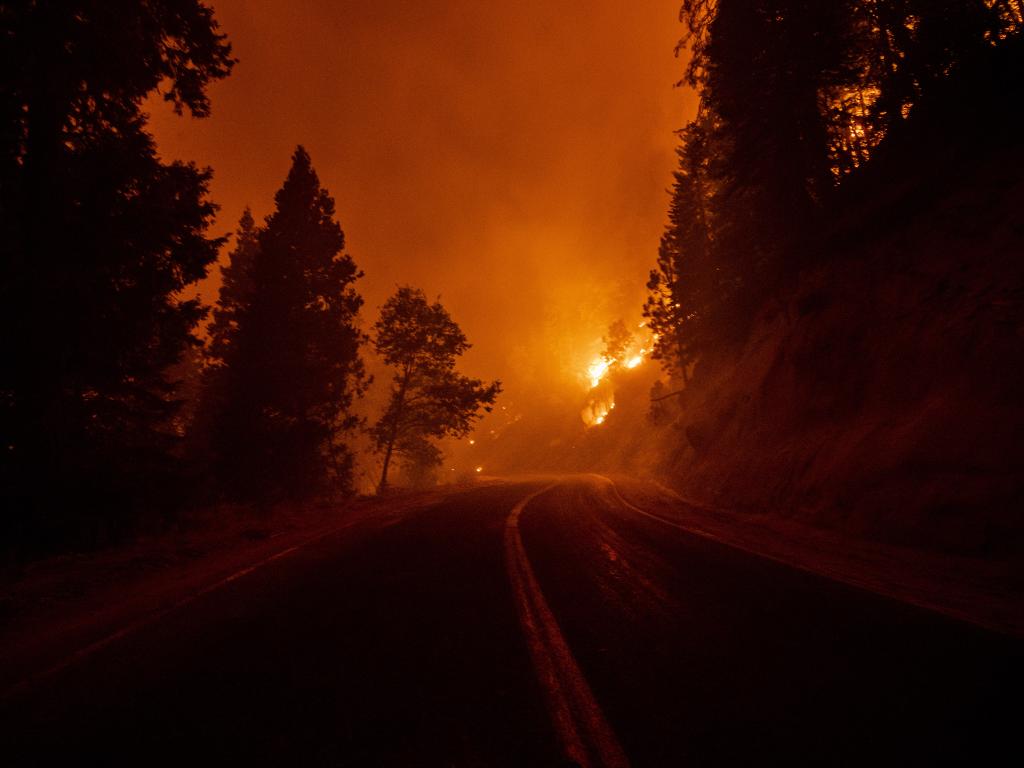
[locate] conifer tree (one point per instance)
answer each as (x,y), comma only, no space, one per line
(290,350)
(99,241)
(235,288)
(687,287)
(234,295)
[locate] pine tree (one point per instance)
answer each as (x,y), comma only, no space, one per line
(235,294)
(690,291)
(429,398)
(290,350)
(235,289)
(99,241)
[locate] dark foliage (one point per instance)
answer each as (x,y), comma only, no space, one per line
(798,99)
(99,238)
(687,281)
(236,289)
(284,352)
(209,398)
(617,341)
(429,398)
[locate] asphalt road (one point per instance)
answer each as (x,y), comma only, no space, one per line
(533,623)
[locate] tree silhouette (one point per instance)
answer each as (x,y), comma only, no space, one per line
(236,288)
(616,343)
(99,240)
(429,399)
(687,285)
(289,349)
(236,291)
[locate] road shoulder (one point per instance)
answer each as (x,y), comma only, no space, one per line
(989,593)
(60,607)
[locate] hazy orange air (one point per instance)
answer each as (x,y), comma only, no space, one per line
(512,158)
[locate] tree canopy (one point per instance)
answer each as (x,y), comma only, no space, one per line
(100,240)
(285,349)
(797,98)
(429,398)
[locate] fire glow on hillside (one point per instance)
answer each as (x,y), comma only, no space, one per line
(601,398)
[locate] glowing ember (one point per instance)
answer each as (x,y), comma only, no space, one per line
(597,412)
(479,469)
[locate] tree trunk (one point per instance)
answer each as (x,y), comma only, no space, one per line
(399,406)
(384,473)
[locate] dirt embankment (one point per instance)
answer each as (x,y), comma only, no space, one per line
(885,396)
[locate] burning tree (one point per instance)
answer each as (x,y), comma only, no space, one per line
(429,398)
(617,343)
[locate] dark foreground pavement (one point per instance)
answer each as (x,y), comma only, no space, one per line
(484,631)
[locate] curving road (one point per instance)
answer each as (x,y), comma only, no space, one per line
(529,623)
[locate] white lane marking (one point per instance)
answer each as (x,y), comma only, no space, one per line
(867,585)
(695,531)
(726,542)
(586,736)
(151,618)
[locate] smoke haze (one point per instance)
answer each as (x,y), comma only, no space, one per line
(511,158)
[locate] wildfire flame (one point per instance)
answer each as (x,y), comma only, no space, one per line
(597,369)
(601,365)
(597,410)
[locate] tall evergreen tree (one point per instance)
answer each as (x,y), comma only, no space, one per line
(290,350)
(687,287)
(235,293)
(99,239)
(236,288)
(429,398)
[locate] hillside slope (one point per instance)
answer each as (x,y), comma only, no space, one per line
(883,395)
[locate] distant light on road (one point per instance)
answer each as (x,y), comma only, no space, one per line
(479,469)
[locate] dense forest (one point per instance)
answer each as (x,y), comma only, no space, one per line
(838,293)
(456,383)
(121,407)
(819,210)
(100,240)
(806,110)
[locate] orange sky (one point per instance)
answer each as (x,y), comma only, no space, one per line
(511,157)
